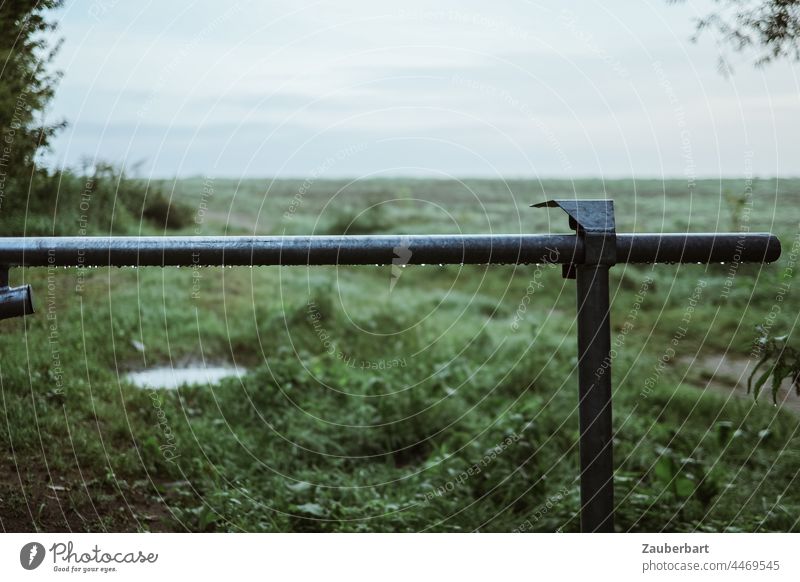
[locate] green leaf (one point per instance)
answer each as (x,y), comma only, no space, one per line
(762,380)
(299,487)
(724,429)
(684,487)
(760,363)
(312,508)
(664,469)
(207,517)
(782,370)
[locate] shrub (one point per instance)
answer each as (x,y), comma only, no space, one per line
(100,199)
(349,221)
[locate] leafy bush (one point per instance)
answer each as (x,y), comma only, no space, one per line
(101,199)
(160,210)
(350,221)
(782,360)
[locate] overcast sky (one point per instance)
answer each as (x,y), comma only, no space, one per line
(465,88)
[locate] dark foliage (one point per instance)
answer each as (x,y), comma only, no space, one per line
(770,28)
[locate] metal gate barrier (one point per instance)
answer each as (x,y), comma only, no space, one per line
(585,256)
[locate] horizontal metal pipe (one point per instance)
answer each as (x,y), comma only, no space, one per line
(759,247)
(383,249)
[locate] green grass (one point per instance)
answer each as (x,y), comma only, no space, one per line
(440,406)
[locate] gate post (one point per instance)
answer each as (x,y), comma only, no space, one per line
(593,220)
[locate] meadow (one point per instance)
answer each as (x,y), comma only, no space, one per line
(428,398)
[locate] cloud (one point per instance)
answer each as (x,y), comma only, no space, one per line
(265,88)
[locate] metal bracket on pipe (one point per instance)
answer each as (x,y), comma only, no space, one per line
(593,220)
(14,301)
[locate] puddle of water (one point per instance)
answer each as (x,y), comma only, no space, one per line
(166,378)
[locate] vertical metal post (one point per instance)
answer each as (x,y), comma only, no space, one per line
(593,220)
(594,391)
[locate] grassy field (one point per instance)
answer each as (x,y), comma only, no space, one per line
(433,398)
